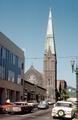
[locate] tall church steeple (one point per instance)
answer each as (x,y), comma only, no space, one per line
(50,35)
(50,62)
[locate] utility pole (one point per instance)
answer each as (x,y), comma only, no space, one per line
(77,88)
(75,69)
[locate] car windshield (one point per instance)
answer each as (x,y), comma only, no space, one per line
(64,104)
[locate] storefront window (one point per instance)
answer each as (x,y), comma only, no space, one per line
(11,76)
(19,79)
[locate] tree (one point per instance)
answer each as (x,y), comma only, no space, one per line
(64,94)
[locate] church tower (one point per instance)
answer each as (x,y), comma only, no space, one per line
(50,62)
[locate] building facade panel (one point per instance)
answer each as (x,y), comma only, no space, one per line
(33,92)
(11,68)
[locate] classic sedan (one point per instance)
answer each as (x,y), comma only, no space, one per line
(33,103)
(63,109)
(43,105)
(9,108)
(25,107)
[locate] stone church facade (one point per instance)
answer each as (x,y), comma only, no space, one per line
(33,85)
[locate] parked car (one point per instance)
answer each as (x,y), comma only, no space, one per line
(43,105)
(9,108)
(63,109)
(25,107)
(33,103)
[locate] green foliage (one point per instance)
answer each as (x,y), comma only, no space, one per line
(75,109)
(64,95)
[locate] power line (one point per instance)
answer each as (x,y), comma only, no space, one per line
(62,57)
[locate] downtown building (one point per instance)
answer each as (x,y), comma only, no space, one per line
(11,70)
(61,85)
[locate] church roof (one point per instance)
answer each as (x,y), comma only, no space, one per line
(33,75)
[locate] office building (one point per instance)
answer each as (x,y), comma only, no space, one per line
(11,70)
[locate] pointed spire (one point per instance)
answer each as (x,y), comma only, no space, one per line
(49,29)
(50,35)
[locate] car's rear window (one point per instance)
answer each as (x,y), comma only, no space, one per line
(64,104)
(21,103)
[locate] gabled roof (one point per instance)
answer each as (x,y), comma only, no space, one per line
(32,71)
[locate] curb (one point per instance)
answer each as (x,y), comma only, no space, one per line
(75,119)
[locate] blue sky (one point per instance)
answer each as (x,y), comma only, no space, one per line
(25,23)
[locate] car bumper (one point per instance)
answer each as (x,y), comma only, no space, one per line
(54,114)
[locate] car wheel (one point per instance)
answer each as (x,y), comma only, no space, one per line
(61,113)
(54,117)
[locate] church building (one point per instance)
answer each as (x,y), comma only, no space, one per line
(48,79)
(50,62)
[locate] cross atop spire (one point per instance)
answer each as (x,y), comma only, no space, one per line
(50,35)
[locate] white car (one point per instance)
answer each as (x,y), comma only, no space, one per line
(25,107)
(63,109)
(33,103)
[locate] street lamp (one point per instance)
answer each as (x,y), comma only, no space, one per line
(75,69)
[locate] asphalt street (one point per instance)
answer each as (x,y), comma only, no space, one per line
(35,115)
